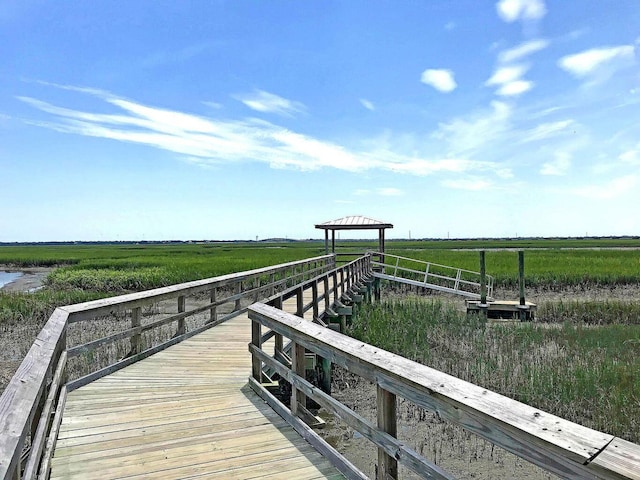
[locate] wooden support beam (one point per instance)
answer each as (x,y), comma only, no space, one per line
(298,362)
(386,403)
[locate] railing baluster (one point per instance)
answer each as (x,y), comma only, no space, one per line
(213,316)
(136,343)
(256,339)
(181,322)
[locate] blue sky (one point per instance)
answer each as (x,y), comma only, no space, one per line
(154,120)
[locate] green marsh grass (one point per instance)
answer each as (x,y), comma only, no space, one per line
(584,373)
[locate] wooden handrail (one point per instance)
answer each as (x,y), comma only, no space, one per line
(562,447)
(28,402)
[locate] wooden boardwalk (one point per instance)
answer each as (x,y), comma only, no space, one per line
(186,412)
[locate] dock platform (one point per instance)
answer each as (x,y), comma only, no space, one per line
(504,309)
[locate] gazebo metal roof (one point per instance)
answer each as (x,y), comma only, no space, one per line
(354,222)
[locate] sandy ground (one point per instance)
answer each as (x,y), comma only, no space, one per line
(33,278)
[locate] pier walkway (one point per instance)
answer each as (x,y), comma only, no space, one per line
(185,412)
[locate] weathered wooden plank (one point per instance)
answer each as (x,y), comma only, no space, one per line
(556,444)
(45,464)
(21,397)
(342,464)
(619,460)
(382,439)
(39,439)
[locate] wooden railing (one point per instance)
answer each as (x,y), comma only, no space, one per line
(559,446)
(73,350)
(432,275)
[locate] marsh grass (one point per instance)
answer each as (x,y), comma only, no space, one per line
(587,374)
(590,312)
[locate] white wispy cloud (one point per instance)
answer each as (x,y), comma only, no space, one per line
(266,102)
(559,166)
(383,191)
(523,50)
(471,135)
(470,184)
(508,80)
(631,157)
(214,105)
(440,79)
(590,61)
(546,130)
(512,10)
(504,75)
(205,141)
(515,88)
(389,192)
(367,104)
(615,188)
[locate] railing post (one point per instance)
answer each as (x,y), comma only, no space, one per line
(334,275)
(238,305)
(272,280)
(298,358)
(386,403)
(278,343)
(181,308)
(256,340)
(136,344)
(314,299)
(325,284)
(213,316)
(300,302)
(298,367)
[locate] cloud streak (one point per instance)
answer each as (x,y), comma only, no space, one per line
(266,102)
(205,141)
(589,62)
(523,50)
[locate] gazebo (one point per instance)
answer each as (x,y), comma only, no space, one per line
(354,222)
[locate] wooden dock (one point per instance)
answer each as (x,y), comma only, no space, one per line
(184,412)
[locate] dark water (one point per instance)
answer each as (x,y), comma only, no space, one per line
(8,277)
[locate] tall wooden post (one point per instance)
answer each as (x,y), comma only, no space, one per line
(386,402)
(483,285)
(333,241)
(523,313)
(326,241)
